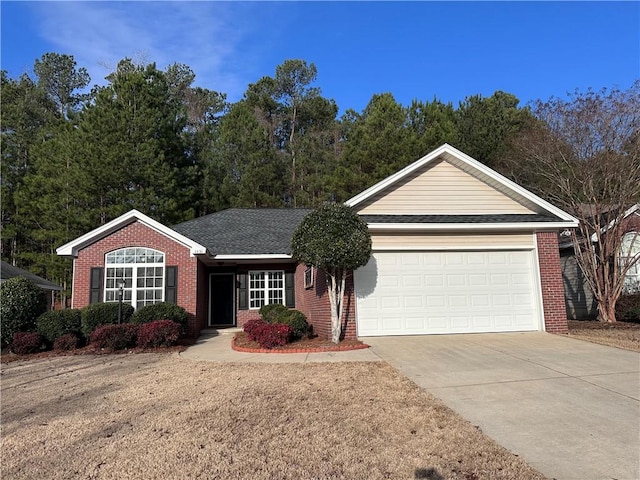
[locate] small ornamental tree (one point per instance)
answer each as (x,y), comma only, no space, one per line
(336,240)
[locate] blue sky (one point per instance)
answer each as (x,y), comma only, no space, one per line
(415,50)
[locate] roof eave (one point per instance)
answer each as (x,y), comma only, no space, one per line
(265,256)
(72,248)
(471,226)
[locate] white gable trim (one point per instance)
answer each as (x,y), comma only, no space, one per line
(448,150)
(71,249)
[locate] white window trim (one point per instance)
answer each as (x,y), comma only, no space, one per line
(134,277)
(309,274)
(632,276)
(266,288)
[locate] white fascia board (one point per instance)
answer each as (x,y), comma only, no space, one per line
(269,256)
(470,226)
(71,249)
(463,157)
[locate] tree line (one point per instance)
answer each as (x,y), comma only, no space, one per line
(73,159)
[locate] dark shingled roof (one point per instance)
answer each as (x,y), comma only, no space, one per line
(264,231)
(8,271)
(499,218)
(245,231)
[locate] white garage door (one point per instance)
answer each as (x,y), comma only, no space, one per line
(411,293)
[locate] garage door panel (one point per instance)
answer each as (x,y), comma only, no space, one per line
(446,292)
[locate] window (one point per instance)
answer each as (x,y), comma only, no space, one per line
(265,287)
(142,272)
(630,255)
(308,277)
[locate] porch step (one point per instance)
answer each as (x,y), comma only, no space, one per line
(212,332)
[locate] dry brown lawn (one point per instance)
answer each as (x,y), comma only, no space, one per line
(149,416)
(620,334)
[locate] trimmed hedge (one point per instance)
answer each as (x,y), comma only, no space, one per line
(272,312)
(21,303)
(103,314)
(278,313)
(66,342)
(24,343)
(56,323)
(115,337)
(251,328)
(268,335)
(161,311)
(297,321)
(628,308)
(161,333)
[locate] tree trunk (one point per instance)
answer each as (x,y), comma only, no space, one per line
(607,310)
(335,286)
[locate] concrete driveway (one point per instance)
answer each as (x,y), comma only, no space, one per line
(570,408)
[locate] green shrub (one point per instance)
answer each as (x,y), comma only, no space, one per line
(161,311)
(273,312)
(115,337)
(628,308)
(56,323)
(297,321)
(24,343)
(103,314)
(21,303)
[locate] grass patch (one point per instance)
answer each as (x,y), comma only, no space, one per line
(159,416)
(620,334)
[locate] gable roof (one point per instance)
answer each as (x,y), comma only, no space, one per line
(238,233)
(555,217)
(71,249)
(8,271)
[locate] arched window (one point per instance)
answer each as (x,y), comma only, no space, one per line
(141,273)
(630,254)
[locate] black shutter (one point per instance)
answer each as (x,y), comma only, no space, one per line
(171,286)
(243,303)
(290,289)
(95,290)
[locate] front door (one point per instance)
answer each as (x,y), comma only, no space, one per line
(222,300)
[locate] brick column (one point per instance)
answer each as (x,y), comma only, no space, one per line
(555,313)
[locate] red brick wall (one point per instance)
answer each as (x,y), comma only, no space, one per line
(314,303)
(555,313)
(139,235)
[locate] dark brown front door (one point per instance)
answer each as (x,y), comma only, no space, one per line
(222,295)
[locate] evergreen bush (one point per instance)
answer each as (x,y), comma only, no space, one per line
(56,323)
(161,311)
(103,314)
(21,303)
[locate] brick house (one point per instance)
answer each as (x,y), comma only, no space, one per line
(579,298)
(457,248)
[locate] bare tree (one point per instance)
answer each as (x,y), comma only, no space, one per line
(583,154)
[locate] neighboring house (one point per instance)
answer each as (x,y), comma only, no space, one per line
(8,271)
(579,298)
(457,248)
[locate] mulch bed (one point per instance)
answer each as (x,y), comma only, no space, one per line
(242,343)
(595,325)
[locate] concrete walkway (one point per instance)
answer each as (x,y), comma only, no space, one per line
(569,408)
(215,346)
